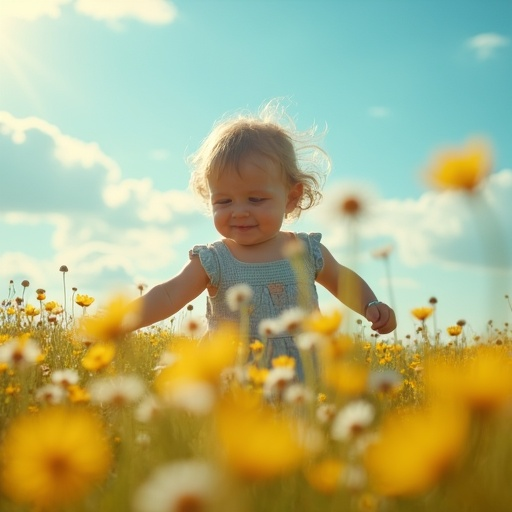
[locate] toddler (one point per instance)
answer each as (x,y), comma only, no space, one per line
(253,173)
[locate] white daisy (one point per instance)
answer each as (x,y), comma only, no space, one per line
(353,419)
(277,380)
(18,352)
(291,319)
(119,390)
(178,486)
(194,326)
(50,394)
(238,295)
(308,340)
(65,378)
(195,397)
(385,381)
(148,409)
(325,413)
(269,327)
(297,394)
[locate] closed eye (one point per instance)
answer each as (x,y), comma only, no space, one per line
(222,201)
(257,199)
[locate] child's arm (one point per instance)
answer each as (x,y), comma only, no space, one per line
(166,299)
(355,293)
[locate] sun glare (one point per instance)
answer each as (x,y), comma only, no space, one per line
(16,62)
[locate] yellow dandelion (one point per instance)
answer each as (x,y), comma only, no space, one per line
(84,300)
(461,169)
(203,362)
(422,313)
(255,442)
(347,378)
(31,311)
(415,449)
(54,458)
(323,323)
(99,356)
(454,330)
(51,305)
(325,476)
(257,349)
(257,376)
(117,319)
(283,362)
(483,382)
(78,394)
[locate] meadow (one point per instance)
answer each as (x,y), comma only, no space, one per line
(161,419)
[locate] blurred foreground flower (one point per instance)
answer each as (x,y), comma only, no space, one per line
(325,475)
(119,317)
(461,169)
(482,382)
(415,449)
(99,356)
(183,485)
(54,458)
(20,352)
(198,362)
(255,442)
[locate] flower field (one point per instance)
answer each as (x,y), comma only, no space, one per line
(96,420)
(93,419)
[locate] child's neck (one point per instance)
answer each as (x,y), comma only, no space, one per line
(269,250)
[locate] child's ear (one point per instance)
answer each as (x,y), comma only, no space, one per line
(294,195)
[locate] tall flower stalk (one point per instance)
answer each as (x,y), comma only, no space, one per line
(64,269)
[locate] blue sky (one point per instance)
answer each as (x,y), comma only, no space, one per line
(102,102)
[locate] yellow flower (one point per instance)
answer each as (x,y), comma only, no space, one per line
(347,378)
(54,458)
(461,169)
(257,375)
(415,449)
(422,313)
(454,330)
(255,442)
(199,362)
(99,356)
(77,394)
(257,347)
(283,362)
(51,305)
(323,323)
(483,382)
(84,300)
(31,310)
(117,319)
(325,476)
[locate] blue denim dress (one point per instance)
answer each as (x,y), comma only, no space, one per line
(277,286)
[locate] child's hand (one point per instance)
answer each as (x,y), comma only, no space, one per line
(381,316)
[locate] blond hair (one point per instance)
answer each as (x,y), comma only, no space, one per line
(272,134)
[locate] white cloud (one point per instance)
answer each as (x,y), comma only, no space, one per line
(449,228)
(486,44)
(158,12)
(103,227)
(30,10)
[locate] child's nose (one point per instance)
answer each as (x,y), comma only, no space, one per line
(240,211)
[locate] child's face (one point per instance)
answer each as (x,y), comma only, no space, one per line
(249,206)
